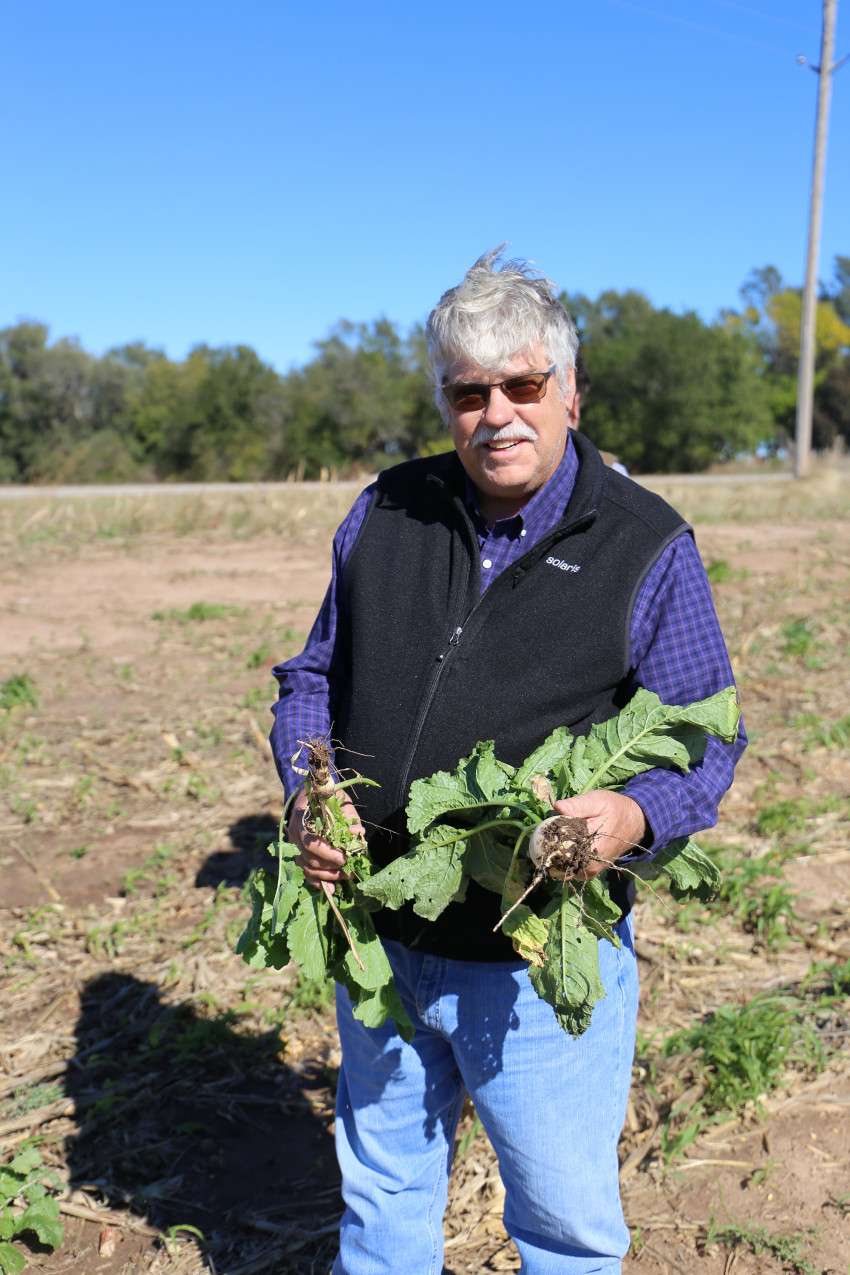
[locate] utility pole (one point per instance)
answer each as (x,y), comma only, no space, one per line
(806,375)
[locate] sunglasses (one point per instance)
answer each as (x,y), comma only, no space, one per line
(473,396)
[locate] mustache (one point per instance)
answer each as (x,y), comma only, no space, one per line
(512,433)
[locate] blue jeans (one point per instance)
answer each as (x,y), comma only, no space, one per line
(553,1108)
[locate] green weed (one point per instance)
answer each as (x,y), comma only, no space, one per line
(763,1175)
(18,691)
(757,894)
(465,1142)
(785,1246)
(201,789)
(132,878)
(308,995)
(799,638)
(740,1054)
(257,699)
(198,612)
(832,735)
(258,658)
(791,816)
(718,571)
(27,1206)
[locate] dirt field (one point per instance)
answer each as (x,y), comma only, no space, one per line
(185,1103)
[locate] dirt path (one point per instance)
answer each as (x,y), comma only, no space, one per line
(136,792)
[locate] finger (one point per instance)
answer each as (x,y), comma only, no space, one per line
(322,855)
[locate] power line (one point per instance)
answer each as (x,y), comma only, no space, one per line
(768,17)
(697,26)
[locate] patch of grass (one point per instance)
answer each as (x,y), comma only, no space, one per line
(78,852)
(781,818)
(310,995)
(257,698)
(741,1053)
(150,868)
(258,658)
(718,571)
(19,691)
(744,1050)
(756,892)
(785,1246)
(198,612)
(832,735)
(799,638)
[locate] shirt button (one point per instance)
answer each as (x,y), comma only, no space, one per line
(487,563)
(522,533)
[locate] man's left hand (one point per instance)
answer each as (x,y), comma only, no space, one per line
(616,823)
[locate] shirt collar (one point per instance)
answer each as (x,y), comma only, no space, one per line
(546,507)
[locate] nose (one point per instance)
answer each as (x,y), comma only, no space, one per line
(500,410)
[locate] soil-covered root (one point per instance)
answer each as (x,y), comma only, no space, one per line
(561,847)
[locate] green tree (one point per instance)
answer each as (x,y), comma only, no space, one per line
(772,314)
(364,402)
(670,392)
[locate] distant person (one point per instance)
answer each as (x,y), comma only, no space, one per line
(583,384)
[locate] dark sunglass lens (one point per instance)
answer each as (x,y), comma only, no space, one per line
(525,389)
(467,398)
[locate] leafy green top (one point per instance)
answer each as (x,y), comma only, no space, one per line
(471,824)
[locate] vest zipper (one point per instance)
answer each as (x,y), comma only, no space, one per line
(453,641)
(450,646)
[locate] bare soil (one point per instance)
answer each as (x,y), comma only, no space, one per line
(172,1087)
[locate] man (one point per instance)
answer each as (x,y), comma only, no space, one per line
(496,592)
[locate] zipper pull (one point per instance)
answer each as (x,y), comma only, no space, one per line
(453,641)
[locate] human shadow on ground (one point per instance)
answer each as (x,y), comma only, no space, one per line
(196,1121)
(250,838)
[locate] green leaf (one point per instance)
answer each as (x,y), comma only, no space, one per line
(431,875)
(647,734)
(11,1260)
(569,977)
(260,946)
(528,932)
(554,751)
(597,910)
(43,1218)
(306,935)
(26,1161)
(374,1008)
(693,875)
(488,858)
(478,779)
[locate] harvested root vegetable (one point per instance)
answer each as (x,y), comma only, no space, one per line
(561,847)
(327,935)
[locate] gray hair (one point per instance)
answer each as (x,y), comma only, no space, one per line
(499,311)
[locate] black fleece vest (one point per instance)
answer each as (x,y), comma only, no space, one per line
(437,666)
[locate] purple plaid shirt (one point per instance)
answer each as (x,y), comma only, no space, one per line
(677,650)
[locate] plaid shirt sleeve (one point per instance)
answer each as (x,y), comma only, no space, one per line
(309,683)
(678,651)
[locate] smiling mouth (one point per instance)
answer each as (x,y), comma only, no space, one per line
(504,439)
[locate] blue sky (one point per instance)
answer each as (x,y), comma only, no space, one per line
(181,171)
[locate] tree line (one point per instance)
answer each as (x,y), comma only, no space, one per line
(669,393)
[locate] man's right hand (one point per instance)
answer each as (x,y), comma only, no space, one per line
(319,860)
